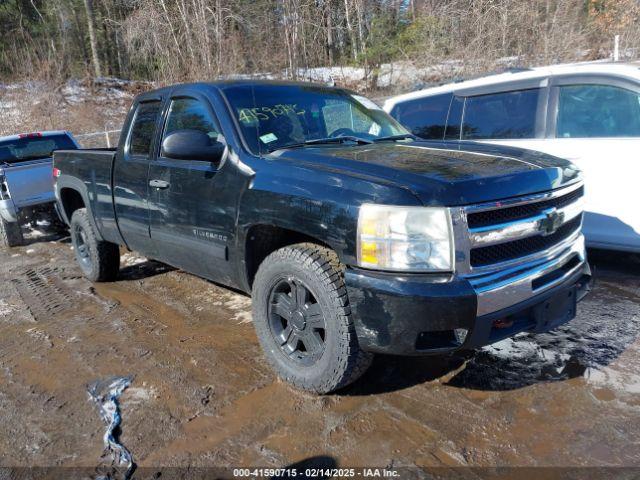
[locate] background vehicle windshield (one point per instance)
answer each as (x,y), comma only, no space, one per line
(275,116)
(31,148)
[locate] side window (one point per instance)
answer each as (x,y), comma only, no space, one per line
(501,115)
(424,117)
(454,120)
(190,114)
(143,128)
(597,111)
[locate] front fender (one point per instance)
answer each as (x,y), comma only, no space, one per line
(320,204)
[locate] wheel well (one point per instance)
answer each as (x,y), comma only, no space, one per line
(71,201)
(262,240)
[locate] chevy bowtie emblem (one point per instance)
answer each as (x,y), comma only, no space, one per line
(552,221)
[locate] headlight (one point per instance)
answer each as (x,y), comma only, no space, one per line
(416,239)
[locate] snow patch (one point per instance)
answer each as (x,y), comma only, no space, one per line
(35,233)
(5,308)
(40,335)
(239,305)
(398,74)
(130,259)
(137,395)
(611,378)
(514,348)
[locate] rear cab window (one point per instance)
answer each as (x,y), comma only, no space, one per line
(143,128)
(505,115)
(33,147)
(425,117)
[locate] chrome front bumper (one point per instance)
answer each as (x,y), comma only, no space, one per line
(499,290)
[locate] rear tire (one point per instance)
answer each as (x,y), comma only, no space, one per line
(10,234)
(98,260)
(303,320)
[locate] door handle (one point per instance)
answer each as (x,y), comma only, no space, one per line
(158,184)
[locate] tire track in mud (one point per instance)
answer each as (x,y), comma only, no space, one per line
(43,292)
(39,366)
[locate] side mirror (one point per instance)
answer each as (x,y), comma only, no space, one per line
(192,145)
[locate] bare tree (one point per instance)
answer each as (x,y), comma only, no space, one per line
(95,57)
(176,40)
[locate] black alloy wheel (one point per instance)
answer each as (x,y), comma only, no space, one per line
(296,321)
(81,246)
(303,319)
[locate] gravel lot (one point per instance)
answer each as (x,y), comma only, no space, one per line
(202,395)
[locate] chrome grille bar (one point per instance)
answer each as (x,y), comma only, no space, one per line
(543,221)
(526,227)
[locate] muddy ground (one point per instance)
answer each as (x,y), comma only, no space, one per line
(203,396)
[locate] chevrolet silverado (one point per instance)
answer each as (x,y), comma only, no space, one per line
(351,235)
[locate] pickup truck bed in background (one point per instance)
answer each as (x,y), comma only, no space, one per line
(26,185)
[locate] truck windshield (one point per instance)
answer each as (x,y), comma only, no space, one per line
(33,147)
(280,116)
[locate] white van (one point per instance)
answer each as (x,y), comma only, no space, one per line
(588,113)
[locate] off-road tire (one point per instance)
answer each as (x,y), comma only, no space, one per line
(10,234)
(102,260)
(342,361)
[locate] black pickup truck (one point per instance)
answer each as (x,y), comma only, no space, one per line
(352,236)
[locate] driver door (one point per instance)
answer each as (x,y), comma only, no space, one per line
(189,219)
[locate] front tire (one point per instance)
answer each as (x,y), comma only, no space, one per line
(98,260)
(303,321)
(10,234)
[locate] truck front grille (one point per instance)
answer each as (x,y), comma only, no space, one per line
(503,252)
(500,233)
(511,250)
(509,214)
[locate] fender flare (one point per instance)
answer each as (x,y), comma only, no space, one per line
(75,184)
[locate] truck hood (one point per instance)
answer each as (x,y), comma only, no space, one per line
(444,173)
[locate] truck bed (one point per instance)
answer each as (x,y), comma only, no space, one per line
(29,182)
(94,167)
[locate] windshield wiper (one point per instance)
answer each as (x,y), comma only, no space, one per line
(402,136)
(322,141)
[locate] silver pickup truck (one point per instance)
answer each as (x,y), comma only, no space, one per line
(26,180)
